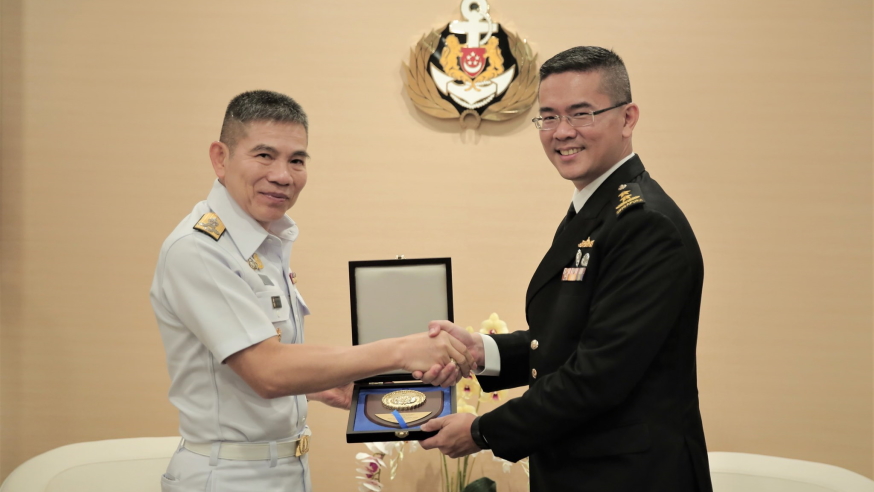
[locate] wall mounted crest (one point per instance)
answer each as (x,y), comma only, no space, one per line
(472,70)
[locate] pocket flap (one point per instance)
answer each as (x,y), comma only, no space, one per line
(633,438)
(275,305)
(304,310)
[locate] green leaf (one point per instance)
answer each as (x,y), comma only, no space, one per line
(484,484)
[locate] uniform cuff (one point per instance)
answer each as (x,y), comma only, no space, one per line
(491,356)
(477,436)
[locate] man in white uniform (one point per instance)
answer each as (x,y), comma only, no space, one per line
(231,318)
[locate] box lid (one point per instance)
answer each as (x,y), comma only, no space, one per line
(395,298)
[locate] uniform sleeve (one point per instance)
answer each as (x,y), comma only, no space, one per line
(203,289)
(644,282)
(513,353)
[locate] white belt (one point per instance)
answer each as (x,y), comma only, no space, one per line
(252,451)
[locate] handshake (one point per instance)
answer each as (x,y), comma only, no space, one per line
(443,355)
(440,357)
(465,352)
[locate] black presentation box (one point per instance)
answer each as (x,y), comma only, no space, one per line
(394,298)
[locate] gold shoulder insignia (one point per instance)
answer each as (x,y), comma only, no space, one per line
(629,196)
(210,225)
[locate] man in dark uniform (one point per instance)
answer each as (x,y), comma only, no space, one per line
(612,310)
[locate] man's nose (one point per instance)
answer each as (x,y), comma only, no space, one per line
(564,129)
(279,174)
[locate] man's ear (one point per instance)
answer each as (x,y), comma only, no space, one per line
(632,115)
(218,156)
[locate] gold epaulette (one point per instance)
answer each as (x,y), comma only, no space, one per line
(210,225)
(629,196)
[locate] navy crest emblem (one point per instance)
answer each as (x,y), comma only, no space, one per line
(472,70)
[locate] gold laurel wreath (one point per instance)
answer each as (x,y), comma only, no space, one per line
(420,86)
(517,100)
(523,90)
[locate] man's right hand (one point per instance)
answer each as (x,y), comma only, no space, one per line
(473,342)
(435,352)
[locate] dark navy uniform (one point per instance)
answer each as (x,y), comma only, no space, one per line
(610,351)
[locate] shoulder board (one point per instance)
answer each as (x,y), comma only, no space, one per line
(210,225)
(629,197)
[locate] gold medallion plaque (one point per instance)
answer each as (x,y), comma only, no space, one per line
(403,400)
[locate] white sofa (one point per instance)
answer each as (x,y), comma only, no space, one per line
(742,472)
(136,465)
(116,465)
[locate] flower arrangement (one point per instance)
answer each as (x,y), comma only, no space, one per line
(373,464)
(388,455)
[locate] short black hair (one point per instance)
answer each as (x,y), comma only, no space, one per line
(614,80)
(259,106)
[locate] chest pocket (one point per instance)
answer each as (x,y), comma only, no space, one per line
(275,305)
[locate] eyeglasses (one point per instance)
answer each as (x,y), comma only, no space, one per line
(547,123)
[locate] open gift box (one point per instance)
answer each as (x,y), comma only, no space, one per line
(395,298)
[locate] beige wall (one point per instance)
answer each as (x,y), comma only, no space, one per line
(756,117)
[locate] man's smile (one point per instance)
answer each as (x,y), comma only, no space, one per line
(274,196)
(570,151)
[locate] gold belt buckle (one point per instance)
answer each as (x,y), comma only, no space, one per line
(303,446)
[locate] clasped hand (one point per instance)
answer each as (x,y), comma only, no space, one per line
(446,358)
(453,437)
(445,375)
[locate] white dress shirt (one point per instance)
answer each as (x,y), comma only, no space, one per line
(210,303)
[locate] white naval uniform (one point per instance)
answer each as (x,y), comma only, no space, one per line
(210,303)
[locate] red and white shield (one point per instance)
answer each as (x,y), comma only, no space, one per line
(473,61)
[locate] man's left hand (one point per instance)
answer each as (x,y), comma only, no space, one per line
(340,397)
(453,439)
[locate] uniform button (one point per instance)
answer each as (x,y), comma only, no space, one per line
(534,344)
(534,373)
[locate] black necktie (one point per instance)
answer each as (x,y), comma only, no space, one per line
(571,213)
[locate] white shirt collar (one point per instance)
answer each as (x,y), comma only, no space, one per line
(582,196)
(246,232)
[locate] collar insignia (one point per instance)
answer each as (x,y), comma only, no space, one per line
(211,225)
(255,262)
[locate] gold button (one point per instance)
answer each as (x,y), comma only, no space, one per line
(534,344)
(534,373)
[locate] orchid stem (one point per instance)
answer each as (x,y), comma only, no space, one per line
(445,475)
